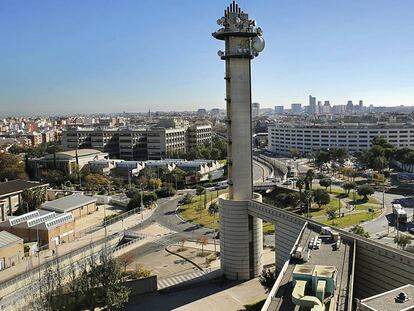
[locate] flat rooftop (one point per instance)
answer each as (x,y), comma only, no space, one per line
(324,256)
(68,203)
(15,186)
(387,301)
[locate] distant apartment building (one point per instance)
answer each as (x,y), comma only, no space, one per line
(255,109)
(198,135)
(296,108)
(165,143)
(354,137)
(279,109)
(138,144)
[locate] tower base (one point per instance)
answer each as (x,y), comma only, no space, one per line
(241,240)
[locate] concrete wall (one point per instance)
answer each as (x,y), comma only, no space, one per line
(142,286)
(287,228)
(379,269)
(12,254)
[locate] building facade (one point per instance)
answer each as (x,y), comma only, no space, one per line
(354,137)
(138,144)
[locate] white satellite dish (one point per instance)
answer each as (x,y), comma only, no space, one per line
(258,44)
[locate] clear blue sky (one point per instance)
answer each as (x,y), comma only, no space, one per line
(113,56)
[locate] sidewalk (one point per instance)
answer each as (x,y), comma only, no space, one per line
(33,261)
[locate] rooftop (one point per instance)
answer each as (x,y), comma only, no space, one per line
(6,238)
(68,203)
(323,261)
(387,301)
(15,186)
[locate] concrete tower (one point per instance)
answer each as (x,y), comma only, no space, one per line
(241,237)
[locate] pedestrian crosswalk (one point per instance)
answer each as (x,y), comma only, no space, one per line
(174,280)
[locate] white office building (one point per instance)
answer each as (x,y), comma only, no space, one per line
(354,137)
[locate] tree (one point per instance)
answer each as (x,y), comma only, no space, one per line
(203,241)
(33,198)
(294,153)
(357,229)
(126,259)
(348,186)
(149,198)
(365,190)
(155,183)
(115,294)
(321,197)
(213,208)
(11,167)
(402,240)
(325,182)
(331,214)
(322,157)
(134,202)
(97,181)
(299,184)
(188,198)
(267,279)
(133,192)
(310,176)
(200,190)
(53,177)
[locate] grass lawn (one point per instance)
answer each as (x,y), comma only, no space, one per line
(268,227)
(197,214)
(351,220)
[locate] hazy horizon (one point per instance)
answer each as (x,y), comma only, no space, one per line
(102,57)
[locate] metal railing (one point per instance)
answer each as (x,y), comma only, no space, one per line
(22,293)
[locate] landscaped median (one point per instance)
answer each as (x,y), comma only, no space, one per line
(198,214)
(353,208)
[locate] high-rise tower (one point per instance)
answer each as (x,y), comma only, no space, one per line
(241,235)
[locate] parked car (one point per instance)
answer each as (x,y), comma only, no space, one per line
(411,230)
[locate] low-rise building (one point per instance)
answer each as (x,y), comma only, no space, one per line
(46,227)
(11,250)
(76,204)
(65,161)
(11,195)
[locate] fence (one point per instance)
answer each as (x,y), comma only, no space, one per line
(20,295)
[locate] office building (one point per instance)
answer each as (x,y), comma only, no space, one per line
(354,137)
(296,108)
(198,135)
(279,110)
(255,109)
(312,105)
(11,250)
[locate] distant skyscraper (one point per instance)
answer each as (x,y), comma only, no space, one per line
(255,109)
(319,108)
(296,108)
(279,109)
(361,105)
(312,104)
(349,106)
(201,112)
(215,111)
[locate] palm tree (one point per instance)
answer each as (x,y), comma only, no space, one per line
(299,184)
(310,176)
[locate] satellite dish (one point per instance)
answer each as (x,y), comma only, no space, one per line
(258,44)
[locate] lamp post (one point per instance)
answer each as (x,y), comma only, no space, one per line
(141,204)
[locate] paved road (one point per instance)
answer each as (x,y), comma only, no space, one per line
(380,225)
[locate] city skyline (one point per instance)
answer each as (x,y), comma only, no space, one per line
(93,57)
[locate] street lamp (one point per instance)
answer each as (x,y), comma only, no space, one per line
(142,204)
